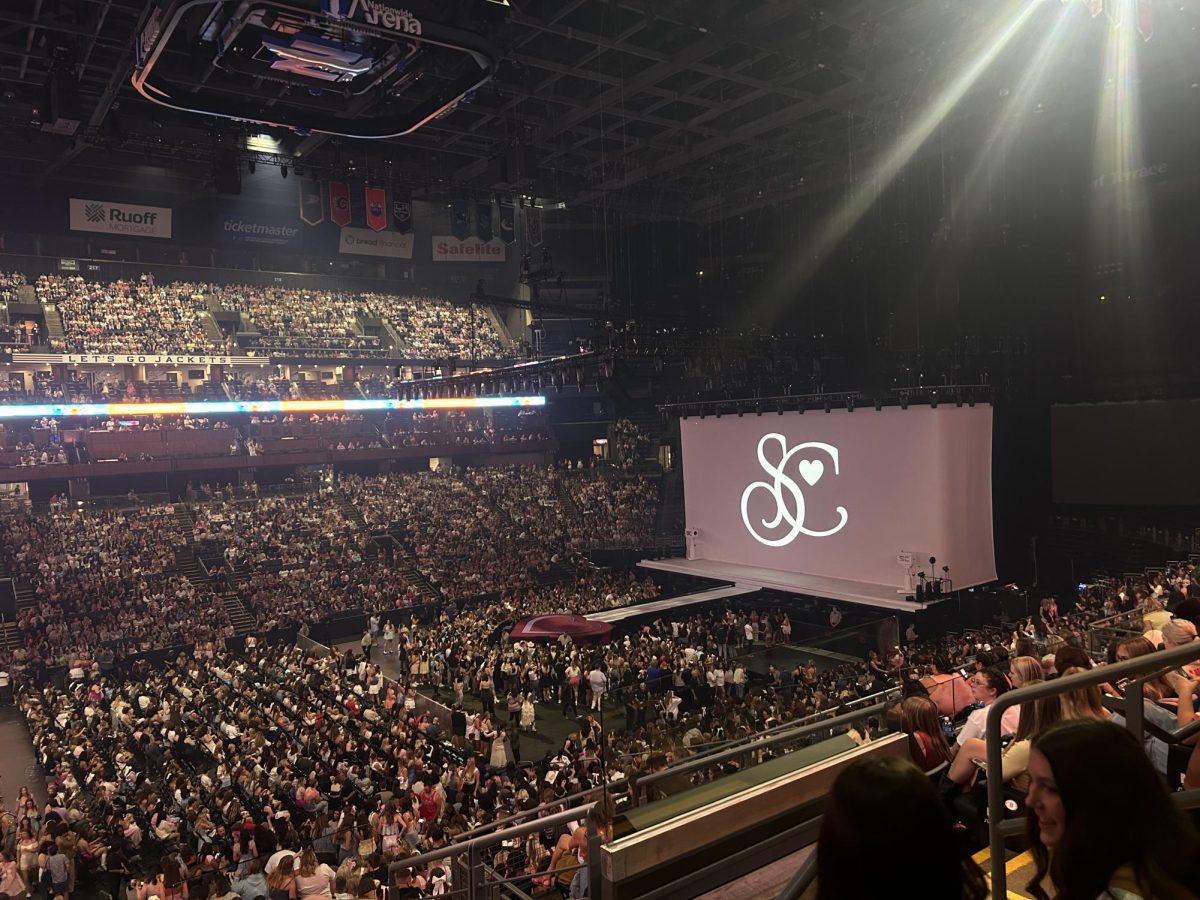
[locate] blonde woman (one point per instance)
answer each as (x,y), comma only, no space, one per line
(314,880)
(528,714)
(1023,670)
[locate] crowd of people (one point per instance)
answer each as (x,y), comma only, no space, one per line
(299,317)
(432,328)
(145,317)
(229,760)
(242,757)
(103,579)
(293,558)
(127,316)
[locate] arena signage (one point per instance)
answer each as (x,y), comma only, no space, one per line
(147,359)
(447,248)
(259,232)
(120,218)
(366,242)
(138,359)
(373,12)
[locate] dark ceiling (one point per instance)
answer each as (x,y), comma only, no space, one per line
(671,108)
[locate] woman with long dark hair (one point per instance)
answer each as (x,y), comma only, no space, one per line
(927,744)
(1100,820)
(884,818)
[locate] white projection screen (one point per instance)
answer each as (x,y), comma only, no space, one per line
(842,494)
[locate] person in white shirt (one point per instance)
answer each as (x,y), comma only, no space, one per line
(987,686)
(598,682)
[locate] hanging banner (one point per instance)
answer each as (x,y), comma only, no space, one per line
(459,220)
(132,220)
(468,250)
(533,227)
(339,203)
(508,220)
(402,213)
(364,242)
(483,221)
(312,202)
(376,208)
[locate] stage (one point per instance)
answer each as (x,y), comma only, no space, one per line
(882,596)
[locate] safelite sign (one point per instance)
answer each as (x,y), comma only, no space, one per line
(447,248)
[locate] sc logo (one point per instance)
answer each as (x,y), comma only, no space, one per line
(787,493)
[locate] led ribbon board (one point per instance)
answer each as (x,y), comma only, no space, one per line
(226,407)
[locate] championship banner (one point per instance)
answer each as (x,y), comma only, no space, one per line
(533,226)
(365,242)
(130,219)
(483,221)
(402,213)
(339,203)
(312,202)
(376,199)
(459,220)
(469,250)
(508,220)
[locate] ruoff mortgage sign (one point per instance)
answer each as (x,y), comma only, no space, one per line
(128,219)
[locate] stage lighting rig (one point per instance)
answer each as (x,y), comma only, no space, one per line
(353,68)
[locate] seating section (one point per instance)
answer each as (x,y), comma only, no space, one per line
(128,317)
(299,318)
(104,579)
(430,328)
(144,317)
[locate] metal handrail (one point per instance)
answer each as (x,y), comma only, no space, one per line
(690,765)
(800,882)
(1139,668)
(814,718)
(749,742)
(472,848)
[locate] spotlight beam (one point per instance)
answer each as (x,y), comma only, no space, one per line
(1006,127)
(1120,232)
(1003,28)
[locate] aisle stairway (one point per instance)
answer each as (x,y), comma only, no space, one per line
(25,596)
(183,521)
(243,622)
(406,564)
(54,327)
(212,331)
(564,497)
(351,512)
(190,568)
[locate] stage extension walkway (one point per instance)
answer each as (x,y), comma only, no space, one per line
(659,606)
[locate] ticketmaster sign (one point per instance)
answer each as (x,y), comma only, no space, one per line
(376,243)
(120,218)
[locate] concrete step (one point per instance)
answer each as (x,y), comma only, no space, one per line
(239,616)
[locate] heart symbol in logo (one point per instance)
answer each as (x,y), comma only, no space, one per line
(811,470)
